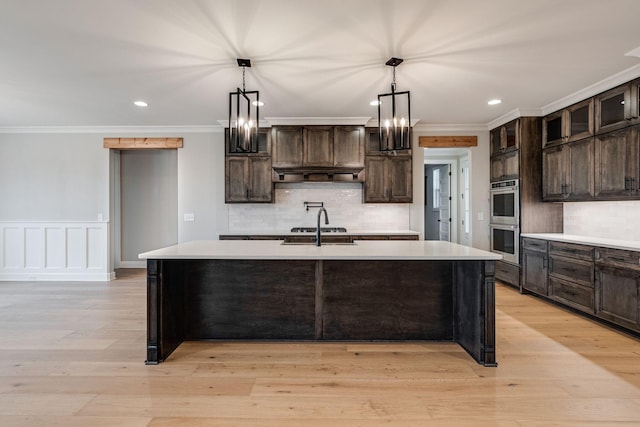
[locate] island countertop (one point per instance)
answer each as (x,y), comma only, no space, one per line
(361,250)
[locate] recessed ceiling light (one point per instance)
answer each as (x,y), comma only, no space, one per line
(258,103)
(140,103)
(375,103)
(494,102)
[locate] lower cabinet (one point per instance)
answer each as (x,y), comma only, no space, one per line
(601,282)
(507,273)
(534,266)
(617,285)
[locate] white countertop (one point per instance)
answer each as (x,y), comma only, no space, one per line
(628,245)
(349,232)
(361,250)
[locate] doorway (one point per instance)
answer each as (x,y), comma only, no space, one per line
(437,217)
(145,203)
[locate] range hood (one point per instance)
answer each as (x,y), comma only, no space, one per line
(318,174)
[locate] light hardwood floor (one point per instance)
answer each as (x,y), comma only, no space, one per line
(72,354)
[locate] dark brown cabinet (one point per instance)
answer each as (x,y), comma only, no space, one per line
(618,107)
(617,284)
(348,146)
(317,146)
(571,275)
(248,179)
(534,266)
(567,171)
(569,124)
(287,146)
(505,166)
(505,138)
(388,178)
(617,164)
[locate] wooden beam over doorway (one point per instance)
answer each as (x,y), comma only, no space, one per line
(142,143)
(448,141)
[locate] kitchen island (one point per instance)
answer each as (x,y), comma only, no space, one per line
(370,290)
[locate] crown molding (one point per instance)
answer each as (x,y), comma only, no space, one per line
(603,85)
(299,121)
(112,129)
(514,114)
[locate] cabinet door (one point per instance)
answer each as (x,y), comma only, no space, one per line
(399,179)
(375,189)
(579,120)
(261,187)
(618,295)
(236,179)
(511,135)
(554,173)
(580,182)
(348,146)
(317,146)
(497,168)
(616,164)
(287,146)
(613,108)
(534,272)
(553,129)
(511,165)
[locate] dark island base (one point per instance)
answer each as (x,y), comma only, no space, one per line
(331,300)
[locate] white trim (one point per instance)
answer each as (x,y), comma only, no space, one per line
(112,129)
(298,121)
(594,89)
(514,114)
(62,277)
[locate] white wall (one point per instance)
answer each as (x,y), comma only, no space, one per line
(53,177)
(67,177)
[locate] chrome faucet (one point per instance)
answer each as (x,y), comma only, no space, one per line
(326,221)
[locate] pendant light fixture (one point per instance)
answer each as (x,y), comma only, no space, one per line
(244,109)
(394,116)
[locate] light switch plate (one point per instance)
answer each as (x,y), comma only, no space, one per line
(480,216)
(189,217)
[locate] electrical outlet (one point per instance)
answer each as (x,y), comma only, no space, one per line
(480,216)
(189,217)
(100,217)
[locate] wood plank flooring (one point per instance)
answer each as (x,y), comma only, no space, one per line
(72,354)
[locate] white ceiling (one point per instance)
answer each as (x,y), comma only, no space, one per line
(83,63)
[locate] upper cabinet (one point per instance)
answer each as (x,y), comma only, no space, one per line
(263,144)
(505,138)
(570,124)
(617,164)
(248,179)
(389,178)
(618,108)
(287,146)
(318,153)
(566,175)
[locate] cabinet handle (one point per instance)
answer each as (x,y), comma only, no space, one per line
(615,258)
(626,183)
(545,262)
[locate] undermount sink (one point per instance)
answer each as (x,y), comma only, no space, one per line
(322,229)
(323,243)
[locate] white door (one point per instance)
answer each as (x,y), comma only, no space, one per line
(444,218)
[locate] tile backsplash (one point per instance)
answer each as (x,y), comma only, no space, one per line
(612,220)
(343,202)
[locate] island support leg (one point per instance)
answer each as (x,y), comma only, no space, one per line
(165,308)
(474,309)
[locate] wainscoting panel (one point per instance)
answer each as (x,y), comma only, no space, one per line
(54,251)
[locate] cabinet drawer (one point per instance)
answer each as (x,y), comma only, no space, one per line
(508,273)
(575,270)
(572,294)
(571,250)
(534,244)
(618,258)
